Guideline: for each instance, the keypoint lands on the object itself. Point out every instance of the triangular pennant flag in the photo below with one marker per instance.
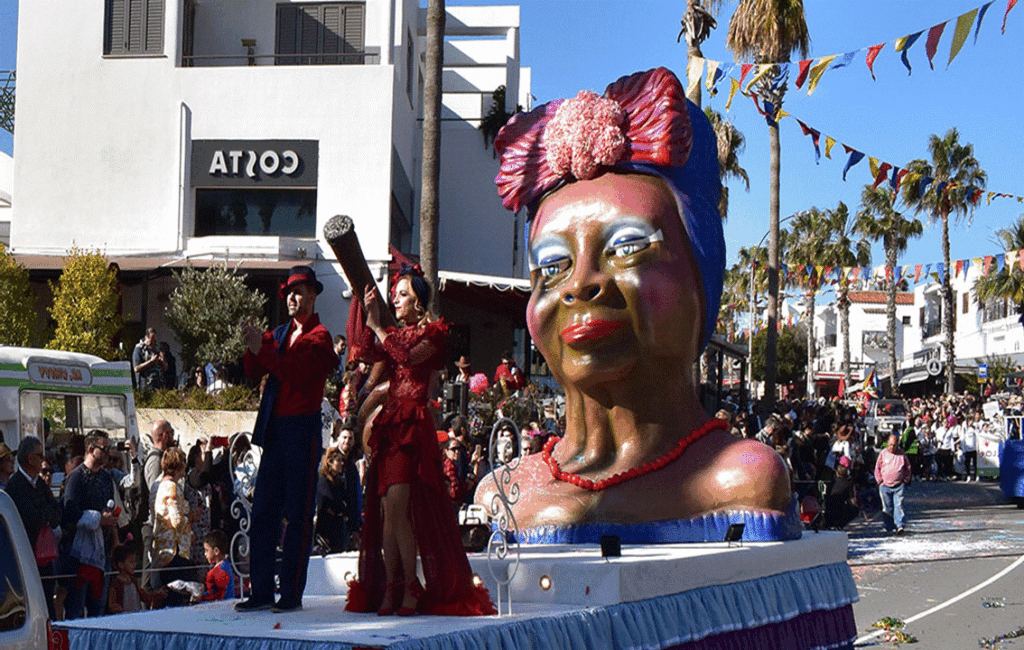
(932, 44)
(898, 275)
(940, 268)
(940, 188)
(780, 79)
(987, 265)
(1020, 259)
(855, 273)
(975, 195)
(927, 270)
(694, 71)
(712, 71)
(923, 186)
(1011, 260)
(873, 166)
(802, 69)
(981, 17)
(855, 157)
(883, 170)
(744, 69)
(757, 104)
(761, 71)
(815, 134)
(904, 44)
(1000, 262)
(899, 180)
(988, 198)
(977, 263)
(829, 143)
(733, 87)
(894, 180)
(960, 32)
(1009, 6)
(817, 70)
(846, 60)
(917, 273)
(959, 267)
(873, 54)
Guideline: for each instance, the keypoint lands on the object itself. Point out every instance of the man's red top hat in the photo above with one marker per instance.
(298, 275)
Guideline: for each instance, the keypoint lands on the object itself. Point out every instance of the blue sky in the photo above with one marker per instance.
(576, 44)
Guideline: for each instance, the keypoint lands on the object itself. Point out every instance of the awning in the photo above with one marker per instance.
(502, 296)
(130, 263)
(914, 376)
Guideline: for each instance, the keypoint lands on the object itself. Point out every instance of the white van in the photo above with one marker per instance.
(54, 395)
(24, 620)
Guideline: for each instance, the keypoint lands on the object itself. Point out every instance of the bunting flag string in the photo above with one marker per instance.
(879, 169)
(806, 275)
(811, 71)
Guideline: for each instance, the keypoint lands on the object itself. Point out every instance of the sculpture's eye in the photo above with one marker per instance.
(631, 240)
(550, 258)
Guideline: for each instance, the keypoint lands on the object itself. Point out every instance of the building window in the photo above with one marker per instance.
(244, 211)
(967, 304)
(906, 321)
(994, 309)
(133, 27)
(323, 33)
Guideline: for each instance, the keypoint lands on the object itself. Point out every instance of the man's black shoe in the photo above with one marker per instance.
(252, 605)
(286, 606)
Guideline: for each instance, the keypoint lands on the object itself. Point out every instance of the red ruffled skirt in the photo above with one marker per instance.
(405, 450)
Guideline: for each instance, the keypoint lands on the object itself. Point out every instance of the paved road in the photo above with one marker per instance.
(964, 548)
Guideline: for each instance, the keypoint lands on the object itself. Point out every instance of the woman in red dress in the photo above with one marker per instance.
(407, 505)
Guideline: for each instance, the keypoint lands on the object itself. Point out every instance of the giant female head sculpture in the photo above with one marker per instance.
(627, 257)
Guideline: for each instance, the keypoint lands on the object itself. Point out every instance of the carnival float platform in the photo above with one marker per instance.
(794, 594)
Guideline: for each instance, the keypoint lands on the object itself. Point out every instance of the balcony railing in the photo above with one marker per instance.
(931, 328)
(347, 58)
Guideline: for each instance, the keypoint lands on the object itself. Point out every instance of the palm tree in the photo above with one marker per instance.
(431, 172)
(697, 23)
(769, 31)
(957, 175)
(731, 144)
(1005, 284)
(842, 251)
(810, 236)
(877, 220)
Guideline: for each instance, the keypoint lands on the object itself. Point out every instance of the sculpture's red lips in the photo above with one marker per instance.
(590, 331)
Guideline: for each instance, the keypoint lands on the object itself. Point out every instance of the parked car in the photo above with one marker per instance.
(883, 417)
(24, 619)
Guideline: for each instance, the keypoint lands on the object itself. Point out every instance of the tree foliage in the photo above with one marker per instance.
(206, 310)
(791, 355)
(86, 305)
(17, 303)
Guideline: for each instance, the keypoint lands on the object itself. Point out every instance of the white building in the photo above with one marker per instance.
(166, 131)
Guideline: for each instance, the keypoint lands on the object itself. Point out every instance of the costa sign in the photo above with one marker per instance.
(248, 163)
(269, 162)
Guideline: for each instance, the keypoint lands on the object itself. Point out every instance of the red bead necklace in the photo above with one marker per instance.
(636, 472)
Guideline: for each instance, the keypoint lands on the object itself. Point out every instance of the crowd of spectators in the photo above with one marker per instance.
(95, 509)
(832, 454)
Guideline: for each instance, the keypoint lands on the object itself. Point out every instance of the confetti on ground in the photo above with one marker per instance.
(888, 623)
(996, 641)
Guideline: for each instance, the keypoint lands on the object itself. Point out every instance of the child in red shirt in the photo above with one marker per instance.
(220, 579)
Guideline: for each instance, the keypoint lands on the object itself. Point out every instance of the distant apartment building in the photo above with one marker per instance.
(982, 332)
(168, 132)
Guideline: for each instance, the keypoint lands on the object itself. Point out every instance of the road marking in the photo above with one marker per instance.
(916, 617)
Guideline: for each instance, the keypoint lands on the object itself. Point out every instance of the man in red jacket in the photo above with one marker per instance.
(298, 356)
(892, 473)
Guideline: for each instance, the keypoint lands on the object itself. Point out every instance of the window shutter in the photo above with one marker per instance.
(309, 31)
(154, 32)
(134, 19)
(287, 28)
(354, 15)
(115, 27)
(334, 16)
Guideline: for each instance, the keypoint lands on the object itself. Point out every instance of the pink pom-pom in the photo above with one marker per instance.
(585, 133)
(478, 383)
